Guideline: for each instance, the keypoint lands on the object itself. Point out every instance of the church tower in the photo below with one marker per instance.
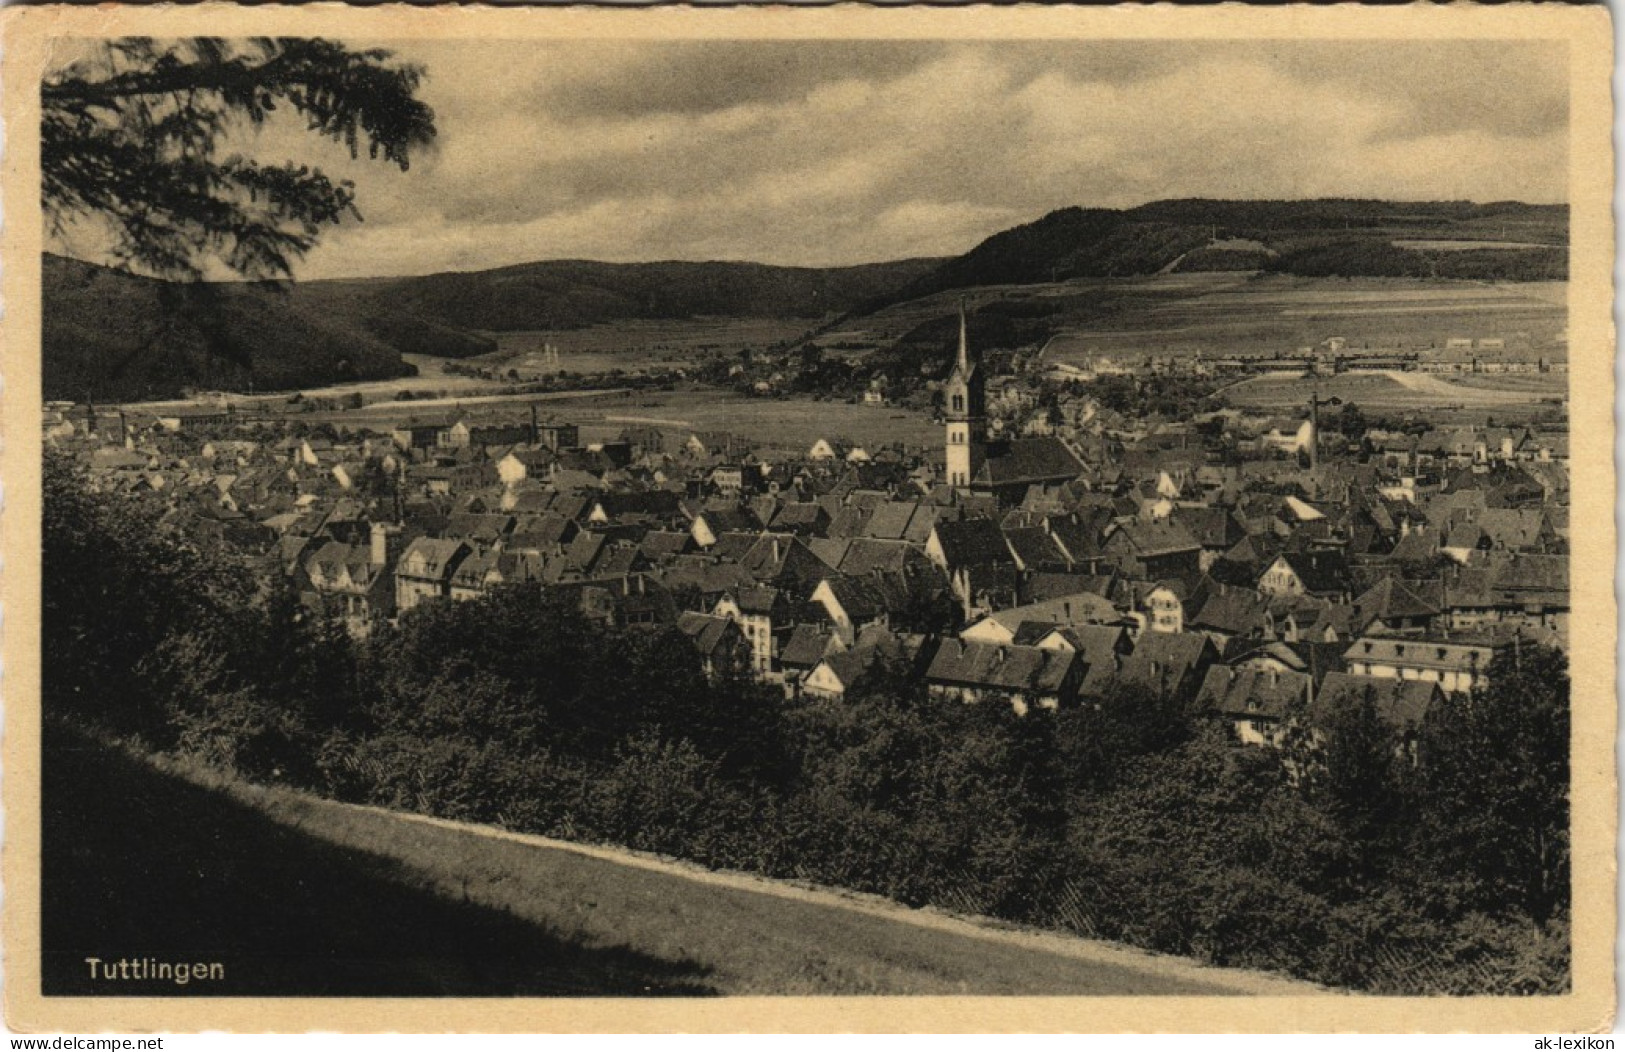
(965, 406)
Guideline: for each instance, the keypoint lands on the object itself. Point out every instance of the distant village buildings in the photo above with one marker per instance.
(1253, 566)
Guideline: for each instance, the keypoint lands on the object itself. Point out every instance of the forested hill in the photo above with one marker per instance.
(568, 294)
(110, 334)
(116, 335)
(1505, 240)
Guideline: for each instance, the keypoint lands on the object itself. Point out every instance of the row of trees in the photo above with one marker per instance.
(1380, 257)
(1350, 857)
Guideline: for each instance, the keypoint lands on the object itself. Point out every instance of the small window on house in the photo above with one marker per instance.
(959, 403)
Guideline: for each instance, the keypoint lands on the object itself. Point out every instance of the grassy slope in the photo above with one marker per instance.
(302, 896)
(139, 864)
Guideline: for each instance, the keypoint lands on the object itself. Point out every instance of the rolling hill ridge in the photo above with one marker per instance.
(115, 335)
(1349, 238)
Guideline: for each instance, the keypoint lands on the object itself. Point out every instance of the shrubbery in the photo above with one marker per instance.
(1135, 820)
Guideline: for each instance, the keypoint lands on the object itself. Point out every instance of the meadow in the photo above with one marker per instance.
(789, 424)
(1397, 390)
(634, 344)
(1236, 314)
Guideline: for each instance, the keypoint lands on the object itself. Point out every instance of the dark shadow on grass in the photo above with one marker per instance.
(139, 864)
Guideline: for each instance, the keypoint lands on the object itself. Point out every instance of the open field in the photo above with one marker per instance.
(298, 895)
(1228, 313)
(1466, 246)
(1274, 313)
(793, 423)
(637, 344)
(1544, 385)
(1130, 297)
(1392, 390)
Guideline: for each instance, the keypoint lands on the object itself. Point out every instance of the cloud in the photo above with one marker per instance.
(616, 80)
(822, 153)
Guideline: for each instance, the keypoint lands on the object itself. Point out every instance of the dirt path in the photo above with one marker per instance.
(752, 935)
(1424, 383)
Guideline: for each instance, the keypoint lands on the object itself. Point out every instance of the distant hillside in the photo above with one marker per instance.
(1315, 238)
(570, 294)
(118, 336)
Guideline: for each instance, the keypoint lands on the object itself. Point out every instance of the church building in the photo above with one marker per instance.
(965, 404)
(1005, 468)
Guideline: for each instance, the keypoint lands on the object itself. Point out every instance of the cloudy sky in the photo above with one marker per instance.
(823, 153)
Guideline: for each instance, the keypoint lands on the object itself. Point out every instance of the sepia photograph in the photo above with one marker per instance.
(802, 505)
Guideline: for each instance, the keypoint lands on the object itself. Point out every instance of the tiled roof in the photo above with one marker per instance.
(1026, 460)
(1420, 653)
(1162, 658)
(1235, 611)
(1400, 702)
(1146, 539)
(1103, 648)
(1007, 668)
(1079, 533)
(430, 558)
(1042, 586)
(655, 503)
(973, 542)
(1215, 528)
(864, 556)
(1036, 549)
(477, 571)
(1252, 692)
(807, 646)
(662, 544)
(1389, 599)
(889, 521)
(1323, 571)
(707, 633)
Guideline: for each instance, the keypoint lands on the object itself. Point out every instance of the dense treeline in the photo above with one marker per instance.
(114, 335)
(1374, 257)
(571, 294)
(1340, 858)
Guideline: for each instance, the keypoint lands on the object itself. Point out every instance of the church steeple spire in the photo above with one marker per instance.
(964, 406)
(964, 340)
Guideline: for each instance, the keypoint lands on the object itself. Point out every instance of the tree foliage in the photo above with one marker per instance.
(1495, 785)
(135, 140)
(1349, 857)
